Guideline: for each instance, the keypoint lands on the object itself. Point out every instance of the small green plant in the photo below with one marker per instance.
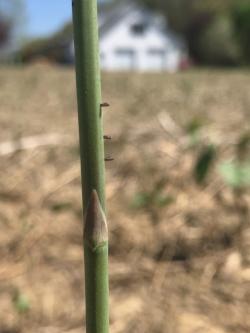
(194, 131)
(152, 200)
(243, 146)
(143, 200)
(92, 165)
(204, 163)
(236, 174)
(58, 207)
(21, 302)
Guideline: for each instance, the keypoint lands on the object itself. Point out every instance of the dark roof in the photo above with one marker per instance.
(112, 12)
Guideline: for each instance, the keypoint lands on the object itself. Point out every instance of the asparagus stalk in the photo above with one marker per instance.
(96, 267)
(92, 164)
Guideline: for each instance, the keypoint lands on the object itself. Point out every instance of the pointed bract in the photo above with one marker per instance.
(95, 228)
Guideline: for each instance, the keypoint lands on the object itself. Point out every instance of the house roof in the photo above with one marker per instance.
(111, 13)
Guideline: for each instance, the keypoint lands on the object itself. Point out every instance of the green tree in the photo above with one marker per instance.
(203, 24)
(241, 22)
(12, 24)
(186, 17)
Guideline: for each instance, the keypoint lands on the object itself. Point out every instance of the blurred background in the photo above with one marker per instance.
(176, 75)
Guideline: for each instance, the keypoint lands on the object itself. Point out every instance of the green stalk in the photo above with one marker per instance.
(92, 165)
(96, 268)
(89, 97)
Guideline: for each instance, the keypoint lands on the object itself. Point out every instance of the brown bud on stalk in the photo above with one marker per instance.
(95, 229)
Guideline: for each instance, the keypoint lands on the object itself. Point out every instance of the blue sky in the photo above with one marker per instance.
(46, 16)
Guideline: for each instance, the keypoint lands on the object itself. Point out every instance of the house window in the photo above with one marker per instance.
(124, 59)
(156, 59)
(138, 28)
(156, 52)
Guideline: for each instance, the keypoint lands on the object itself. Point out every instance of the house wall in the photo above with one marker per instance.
(154, 50)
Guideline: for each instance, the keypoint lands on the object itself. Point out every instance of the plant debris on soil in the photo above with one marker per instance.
(179, 248)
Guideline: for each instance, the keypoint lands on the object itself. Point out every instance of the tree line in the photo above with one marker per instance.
(216, 32)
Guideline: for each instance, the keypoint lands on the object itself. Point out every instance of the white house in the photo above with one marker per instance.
(133, 38)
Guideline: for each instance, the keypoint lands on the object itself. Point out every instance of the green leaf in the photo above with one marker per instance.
(163, 200)
(141, 200)
(61, 206)
(145, 199)
(193, 129)
(194, 126)
(235, 174)
(21, 303)
(204, 163)
(243, 145)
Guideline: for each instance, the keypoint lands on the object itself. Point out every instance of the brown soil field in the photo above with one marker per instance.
(179, 250)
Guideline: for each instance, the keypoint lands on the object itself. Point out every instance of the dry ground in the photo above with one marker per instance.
(179, 252)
